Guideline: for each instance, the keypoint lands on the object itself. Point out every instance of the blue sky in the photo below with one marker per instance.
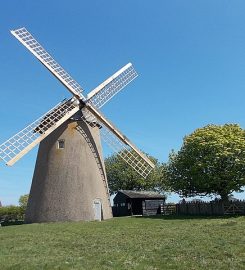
(189, 55)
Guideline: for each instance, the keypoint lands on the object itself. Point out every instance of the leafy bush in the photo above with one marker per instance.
(11, 212)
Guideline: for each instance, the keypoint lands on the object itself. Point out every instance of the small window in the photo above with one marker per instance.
(122, 204)
(61, 144)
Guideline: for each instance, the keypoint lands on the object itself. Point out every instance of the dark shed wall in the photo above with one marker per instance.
(121, 207)
(120, 198)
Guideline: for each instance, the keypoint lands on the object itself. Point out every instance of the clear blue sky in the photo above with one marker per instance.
(190, 56)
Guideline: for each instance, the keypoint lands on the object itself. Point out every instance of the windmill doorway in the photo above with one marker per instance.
(97, 210)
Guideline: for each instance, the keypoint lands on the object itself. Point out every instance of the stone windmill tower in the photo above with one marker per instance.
(69, 181)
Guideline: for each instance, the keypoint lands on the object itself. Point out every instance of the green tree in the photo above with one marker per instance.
(23, 201)
(122, 176)
(210, 162)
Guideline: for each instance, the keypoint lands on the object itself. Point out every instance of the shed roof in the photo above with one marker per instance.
(142, 194)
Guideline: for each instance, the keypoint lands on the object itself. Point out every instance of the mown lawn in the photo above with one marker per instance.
(126, 243)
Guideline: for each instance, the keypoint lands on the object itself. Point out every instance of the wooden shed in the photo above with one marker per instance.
(129, 202)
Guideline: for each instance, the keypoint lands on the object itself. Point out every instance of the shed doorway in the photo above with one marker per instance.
(137, 207)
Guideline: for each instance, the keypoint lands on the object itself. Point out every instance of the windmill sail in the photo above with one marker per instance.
(121, 144)
(109, 88)
(96, 99)
(22, 142)
(140, 164)
(46, 59)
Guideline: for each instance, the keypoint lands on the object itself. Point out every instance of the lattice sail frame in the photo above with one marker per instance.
(22, 142)
(47, 60)
(127, 153)
(123, 147)
(109, 88)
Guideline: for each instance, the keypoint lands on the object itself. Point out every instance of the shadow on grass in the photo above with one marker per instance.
(11, 222)
(183, 217)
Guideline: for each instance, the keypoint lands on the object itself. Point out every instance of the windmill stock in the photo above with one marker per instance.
(69, 181)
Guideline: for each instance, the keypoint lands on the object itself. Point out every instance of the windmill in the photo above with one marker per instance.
(69, 181)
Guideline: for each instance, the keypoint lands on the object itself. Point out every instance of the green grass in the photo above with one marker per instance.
(126, 243)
